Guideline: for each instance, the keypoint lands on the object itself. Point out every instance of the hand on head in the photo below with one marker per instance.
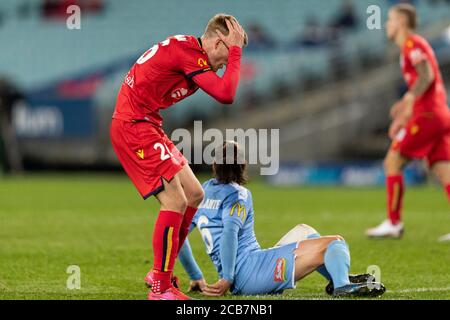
(236, 34)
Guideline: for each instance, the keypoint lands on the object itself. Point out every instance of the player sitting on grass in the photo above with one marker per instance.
(226, 221)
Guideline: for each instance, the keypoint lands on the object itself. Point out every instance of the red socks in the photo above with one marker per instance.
(165, 248)
(447, 190)
(184, 229)
(395, 188)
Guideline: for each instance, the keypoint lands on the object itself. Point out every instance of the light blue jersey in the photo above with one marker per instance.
(225, 219)
(226, 203)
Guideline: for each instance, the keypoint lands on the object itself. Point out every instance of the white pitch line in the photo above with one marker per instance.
(418, 290)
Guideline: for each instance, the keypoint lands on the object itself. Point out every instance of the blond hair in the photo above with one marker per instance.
(218, 22)
(408, 11)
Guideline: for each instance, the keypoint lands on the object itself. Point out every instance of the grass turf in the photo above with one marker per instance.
(98, 222)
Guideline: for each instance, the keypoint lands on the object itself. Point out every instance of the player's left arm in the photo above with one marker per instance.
(402, 111)
(228, 253)
(424, 80)
(425, 77)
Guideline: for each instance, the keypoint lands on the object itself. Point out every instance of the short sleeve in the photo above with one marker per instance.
(416, 52)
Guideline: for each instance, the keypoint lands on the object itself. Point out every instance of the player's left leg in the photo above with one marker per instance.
(439, 161)
(194, 194)
(441, 170)
(393, 164)
(302, 232)
(332, 251)
(299, 233)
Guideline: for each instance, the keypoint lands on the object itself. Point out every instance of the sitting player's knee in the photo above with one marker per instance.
(333, 239)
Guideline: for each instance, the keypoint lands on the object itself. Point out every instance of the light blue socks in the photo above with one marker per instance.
(337, 262)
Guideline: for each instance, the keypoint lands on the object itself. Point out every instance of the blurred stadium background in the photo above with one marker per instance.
(313, 69)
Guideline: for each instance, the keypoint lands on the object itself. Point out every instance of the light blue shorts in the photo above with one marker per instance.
(268, 271)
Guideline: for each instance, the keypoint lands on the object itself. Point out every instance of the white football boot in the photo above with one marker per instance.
(386, 230)
(445, 238)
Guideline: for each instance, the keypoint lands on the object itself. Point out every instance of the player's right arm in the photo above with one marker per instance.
(190, 265)
(234, 214)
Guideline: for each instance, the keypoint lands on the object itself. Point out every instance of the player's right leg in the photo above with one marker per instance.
(142, 150)
(166, 240)
(194, 195)
(392, 226)
(333, 253)
(441, 170)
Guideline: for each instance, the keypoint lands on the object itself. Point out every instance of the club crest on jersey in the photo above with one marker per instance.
(414, 129)
(202, 62)
(140, 154)
(410, 44)
(280, 270)
(179, 93)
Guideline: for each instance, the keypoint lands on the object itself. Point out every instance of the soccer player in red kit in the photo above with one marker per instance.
(167, 73)
(421, 119)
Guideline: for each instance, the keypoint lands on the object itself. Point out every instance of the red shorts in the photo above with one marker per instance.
(426, 135)
(146, 154)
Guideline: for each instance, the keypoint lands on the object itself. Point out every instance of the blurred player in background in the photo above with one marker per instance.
(226, 221)
(167, 73)
(10, 156)
(420, 128)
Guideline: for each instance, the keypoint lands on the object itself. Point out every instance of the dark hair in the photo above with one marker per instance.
(232, 170)
(409, 11)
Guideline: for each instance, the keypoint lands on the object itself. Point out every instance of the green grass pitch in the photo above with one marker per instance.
(98, 222)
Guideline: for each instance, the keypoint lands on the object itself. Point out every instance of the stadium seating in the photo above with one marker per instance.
(123, 31)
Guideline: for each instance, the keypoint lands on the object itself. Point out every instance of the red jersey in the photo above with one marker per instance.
(415, 50)
(161, 77)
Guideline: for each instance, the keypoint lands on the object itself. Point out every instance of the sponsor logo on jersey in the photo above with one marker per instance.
(416, 56)
(179, 93)
(140, 154)
(280, 270)
(129, 80)
(240, 210)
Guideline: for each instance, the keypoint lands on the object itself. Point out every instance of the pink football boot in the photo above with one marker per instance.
(170, 294)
